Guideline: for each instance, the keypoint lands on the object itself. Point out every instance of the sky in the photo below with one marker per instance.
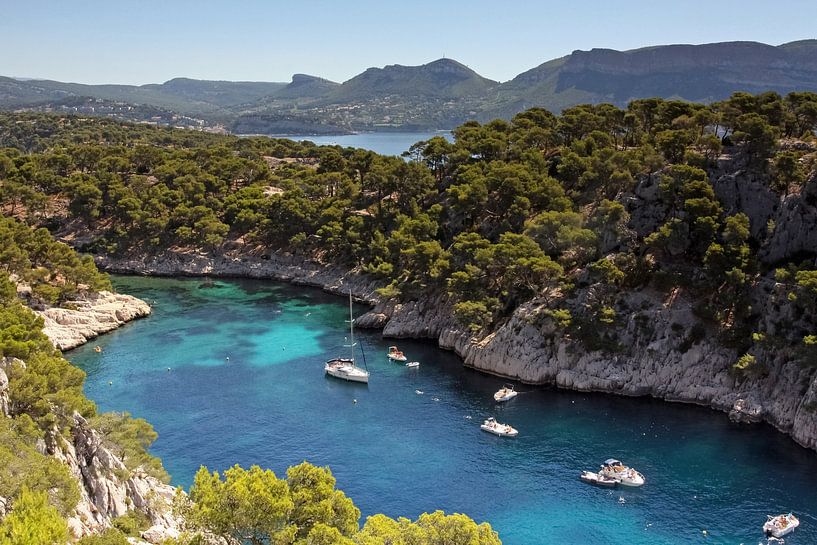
(151, 41)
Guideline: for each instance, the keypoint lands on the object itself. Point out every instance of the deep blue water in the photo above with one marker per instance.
(401, 453)
(384, 143)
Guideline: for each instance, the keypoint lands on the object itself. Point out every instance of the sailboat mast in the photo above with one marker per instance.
(351, 328)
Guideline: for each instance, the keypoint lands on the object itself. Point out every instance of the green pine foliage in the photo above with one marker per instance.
(256, 507)
(33, 522)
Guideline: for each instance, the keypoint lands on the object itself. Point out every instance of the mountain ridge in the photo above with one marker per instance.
(444, 93)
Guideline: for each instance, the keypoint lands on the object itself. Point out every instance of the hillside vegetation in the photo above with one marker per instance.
(510, 211)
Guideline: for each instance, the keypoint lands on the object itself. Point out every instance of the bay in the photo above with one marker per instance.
(384, 143)
(231, 372)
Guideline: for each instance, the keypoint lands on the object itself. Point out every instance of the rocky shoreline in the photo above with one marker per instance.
(531, 350)
(85, 318)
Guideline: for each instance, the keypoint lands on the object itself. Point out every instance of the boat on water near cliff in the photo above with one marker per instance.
(345, 368)
(624, 475)
(781, 525)
(505, 393)
(395, 354)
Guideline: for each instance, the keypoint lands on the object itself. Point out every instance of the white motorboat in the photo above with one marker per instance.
(503, 430)
(413, 364)
(395, 354)
(626, 476)
(597, 479)
(345, 368)
(505, 393)
(781, 525)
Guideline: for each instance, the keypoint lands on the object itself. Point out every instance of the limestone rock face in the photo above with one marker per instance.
(4, 394)
(89, 317)
(528, 349)
(107, 488)
(6, 363)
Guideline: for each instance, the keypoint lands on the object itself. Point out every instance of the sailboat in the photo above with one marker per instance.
(345, 368)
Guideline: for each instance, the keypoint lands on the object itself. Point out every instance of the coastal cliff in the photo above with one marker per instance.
(79, 321)
(530, 348)
(107, 489)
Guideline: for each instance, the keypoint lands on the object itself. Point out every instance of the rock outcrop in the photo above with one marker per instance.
(107, 488)
(83, 319)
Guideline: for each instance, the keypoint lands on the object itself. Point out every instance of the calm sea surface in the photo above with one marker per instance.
(384, 143)
(402, 453)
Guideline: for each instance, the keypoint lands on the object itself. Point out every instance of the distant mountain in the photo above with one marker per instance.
(443, 78)
(304, 86)
(699, 73)
(182, 95)
(219, 93)
(444, 93)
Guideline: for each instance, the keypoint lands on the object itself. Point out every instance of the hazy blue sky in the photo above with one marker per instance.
(94, 41)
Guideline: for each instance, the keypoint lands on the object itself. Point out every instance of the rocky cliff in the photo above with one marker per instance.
(76, 322)
(109, 490)
(656, 362)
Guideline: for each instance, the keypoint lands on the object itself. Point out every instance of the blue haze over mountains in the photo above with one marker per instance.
(437, 95)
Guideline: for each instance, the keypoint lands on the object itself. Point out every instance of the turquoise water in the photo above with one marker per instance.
(401, 453)
(384, 143)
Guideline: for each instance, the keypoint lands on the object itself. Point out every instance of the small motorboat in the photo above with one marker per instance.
(597, 479)
(505, 393)
(626, 476)
(395, 354)
(781, 525)
(413, 364)
(97, 349)
(502, 430)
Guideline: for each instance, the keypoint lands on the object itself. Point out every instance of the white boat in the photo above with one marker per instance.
(781, 525)
(505, 393)
(413, 364)
(345, 368)
(503, 430)
(597, 479)
(395, 354)
(626, 476)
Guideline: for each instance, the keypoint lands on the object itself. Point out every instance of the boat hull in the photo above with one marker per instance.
(597, 480)
(347, 376)
(503, 398)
